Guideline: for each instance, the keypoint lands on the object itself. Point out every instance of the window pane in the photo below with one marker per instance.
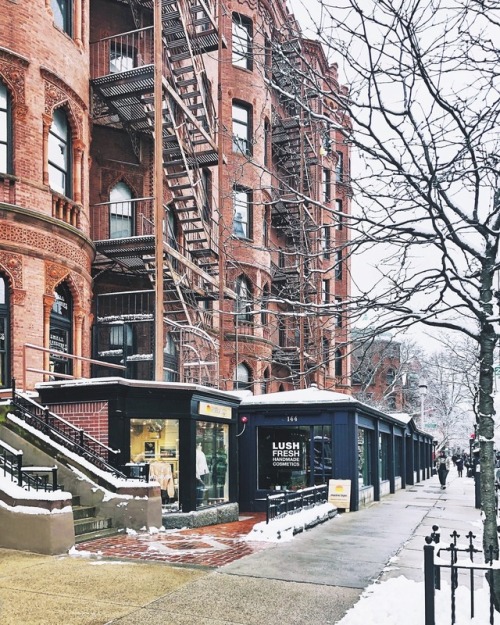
(57, 180)
(3, 97)
(241, 211)
(212, 477)
(120, 212)
(62, 14)
(242, 39)
(59, 153)
(241, 129)
(3, 126)
(3, 158)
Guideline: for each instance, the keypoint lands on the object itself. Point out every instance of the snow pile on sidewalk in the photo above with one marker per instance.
(400, 601)
(284, 528)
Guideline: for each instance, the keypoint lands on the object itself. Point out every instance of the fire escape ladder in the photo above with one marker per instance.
(174, 293)
(189, 131)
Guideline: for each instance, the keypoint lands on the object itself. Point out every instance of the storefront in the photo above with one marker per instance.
(307, 437)
(185, 433)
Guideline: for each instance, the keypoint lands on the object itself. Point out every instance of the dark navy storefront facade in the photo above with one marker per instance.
(300, 438)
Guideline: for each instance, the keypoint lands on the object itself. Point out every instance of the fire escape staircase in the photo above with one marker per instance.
(126, 98)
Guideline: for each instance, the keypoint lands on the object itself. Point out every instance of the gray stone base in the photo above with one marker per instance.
(226, 513)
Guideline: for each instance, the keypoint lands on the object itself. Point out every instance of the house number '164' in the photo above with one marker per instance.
(291, 419)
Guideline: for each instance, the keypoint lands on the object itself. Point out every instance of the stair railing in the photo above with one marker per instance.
(63, 432)
(36, 478)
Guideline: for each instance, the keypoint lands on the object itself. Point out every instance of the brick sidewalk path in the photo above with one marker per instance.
(211, 546)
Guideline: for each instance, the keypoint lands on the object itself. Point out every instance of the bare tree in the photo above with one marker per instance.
(449, 405)
(424, 103)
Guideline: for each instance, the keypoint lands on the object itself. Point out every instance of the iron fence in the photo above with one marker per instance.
(283, 503)
(459, 561)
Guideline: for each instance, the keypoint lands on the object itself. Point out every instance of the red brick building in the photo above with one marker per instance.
(214, 255)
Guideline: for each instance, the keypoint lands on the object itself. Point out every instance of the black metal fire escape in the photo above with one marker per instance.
(123, 81)
(294, 154)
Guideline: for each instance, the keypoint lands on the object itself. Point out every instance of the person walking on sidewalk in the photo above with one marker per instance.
(443, 468)
(460, 466)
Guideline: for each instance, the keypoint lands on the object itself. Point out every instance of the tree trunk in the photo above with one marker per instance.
(486, 425)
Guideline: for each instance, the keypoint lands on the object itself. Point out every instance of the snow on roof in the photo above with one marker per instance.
(135, 383)
(401, 416)
(311, 395)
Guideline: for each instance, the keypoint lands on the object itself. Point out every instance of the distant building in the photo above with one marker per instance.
(380, 378)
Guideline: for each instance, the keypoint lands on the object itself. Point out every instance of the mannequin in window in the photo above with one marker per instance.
(219, 470)
(162, 473)
(201, 472)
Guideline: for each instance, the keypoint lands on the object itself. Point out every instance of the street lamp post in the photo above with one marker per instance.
(423, 392)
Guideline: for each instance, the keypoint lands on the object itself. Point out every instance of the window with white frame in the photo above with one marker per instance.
(242, 211)
(120, 212)
(60, 153)
(242, 41)
(242, 128)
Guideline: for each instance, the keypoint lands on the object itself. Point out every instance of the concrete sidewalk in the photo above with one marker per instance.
(312, 579)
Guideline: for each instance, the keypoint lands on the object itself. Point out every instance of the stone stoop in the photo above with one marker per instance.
(88, 526)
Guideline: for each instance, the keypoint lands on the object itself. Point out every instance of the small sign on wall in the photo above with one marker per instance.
(339, 493)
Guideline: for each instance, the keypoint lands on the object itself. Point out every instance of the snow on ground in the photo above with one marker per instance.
(400, 601)
(284, 529)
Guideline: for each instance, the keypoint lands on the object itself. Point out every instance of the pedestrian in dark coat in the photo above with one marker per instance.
(443, 464)
(460, 466)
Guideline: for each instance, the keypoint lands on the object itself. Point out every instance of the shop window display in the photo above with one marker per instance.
(211, 464)
(364, 457)
(156, 442)
(285, 455)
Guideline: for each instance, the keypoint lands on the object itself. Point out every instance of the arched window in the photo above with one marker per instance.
(61, 330)
(243, 378)
(390, 376)
(120, 212)
(266, 381)
(4, 334)
(243, 299)
(5, 131)
(60, 154)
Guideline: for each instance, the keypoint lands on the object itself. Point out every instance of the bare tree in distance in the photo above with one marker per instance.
(449, 403)
(424, 103)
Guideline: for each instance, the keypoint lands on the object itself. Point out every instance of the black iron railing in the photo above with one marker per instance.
(285, 502)
(66, 434)
(36, 478)
(456, 559)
